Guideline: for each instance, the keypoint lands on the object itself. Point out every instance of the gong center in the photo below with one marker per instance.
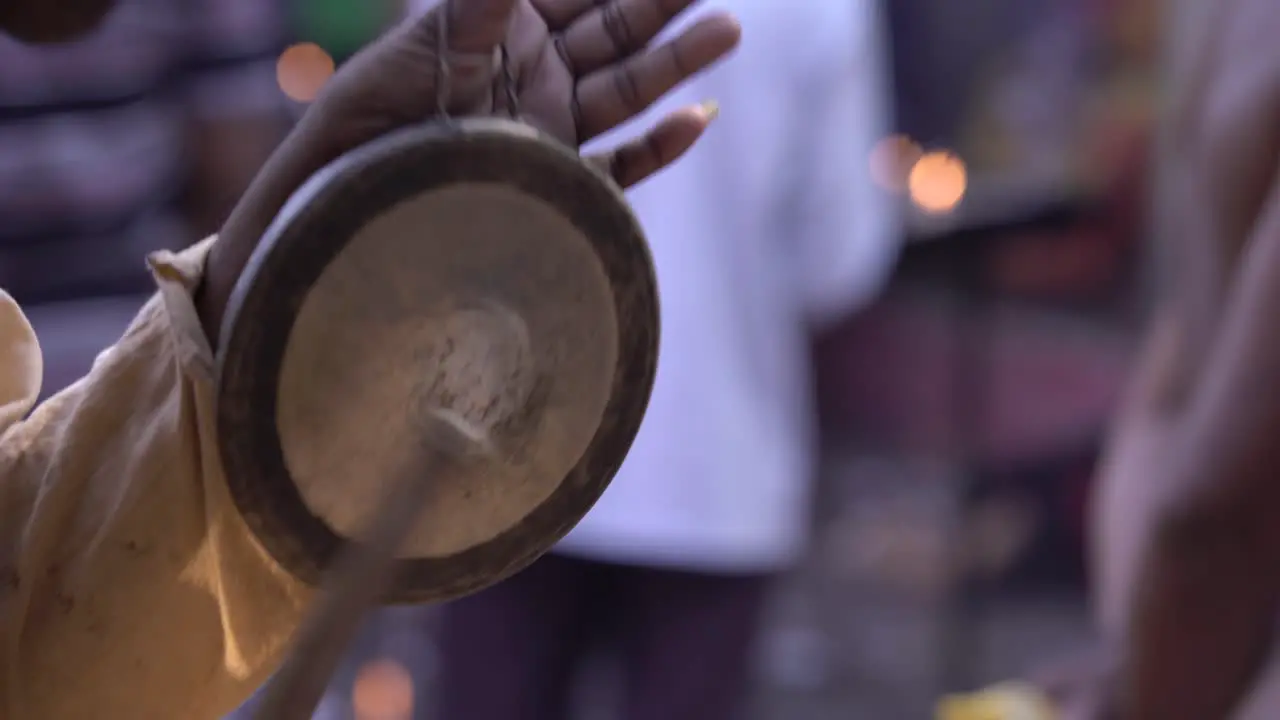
(477, 301)
(480, 368)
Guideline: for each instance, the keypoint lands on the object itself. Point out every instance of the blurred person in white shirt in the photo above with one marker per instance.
(767, 231)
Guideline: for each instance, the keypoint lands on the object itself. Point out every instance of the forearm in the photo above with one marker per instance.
(1202, 627)
(237, 118)
(1209, 580)
(135, 588)
(285, 171)
(227, 152)
(1125, 500)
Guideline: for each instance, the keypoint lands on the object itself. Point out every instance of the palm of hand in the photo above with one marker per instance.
(577, 68)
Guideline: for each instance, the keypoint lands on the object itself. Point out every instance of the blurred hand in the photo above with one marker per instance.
(1132, 485)
(579, 67)
(1130, 490)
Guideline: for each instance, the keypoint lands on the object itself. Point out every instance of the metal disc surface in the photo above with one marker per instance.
(476, 271)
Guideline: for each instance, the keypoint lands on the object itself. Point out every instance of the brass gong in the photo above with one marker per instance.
(474, 270)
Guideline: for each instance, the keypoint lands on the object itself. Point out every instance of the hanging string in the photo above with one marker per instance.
(444, 73)
(509, 84)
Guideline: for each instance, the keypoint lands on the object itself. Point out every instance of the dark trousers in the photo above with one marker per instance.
(685, 641)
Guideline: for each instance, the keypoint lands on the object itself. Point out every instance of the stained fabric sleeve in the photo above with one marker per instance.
(129, 585)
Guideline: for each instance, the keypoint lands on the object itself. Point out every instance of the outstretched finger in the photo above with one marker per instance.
(560, 14)
(659, 147)
(613, 95)
(615, 31)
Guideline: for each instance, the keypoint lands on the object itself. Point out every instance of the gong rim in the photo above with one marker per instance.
(326, 214)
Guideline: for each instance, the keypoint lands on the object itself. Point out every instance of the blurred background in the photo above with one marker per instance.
(961, 411)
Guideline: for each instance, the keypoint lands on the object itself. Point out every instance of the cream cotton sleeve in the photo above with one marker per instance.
(130, 588)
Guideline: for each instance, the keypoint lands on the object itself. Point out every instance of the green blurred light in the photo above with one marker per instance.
(342, 26)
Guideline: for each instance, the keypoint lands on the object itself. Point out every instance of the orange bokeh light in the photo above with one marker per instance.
(302, 71)
(383, 691)
(938, 182)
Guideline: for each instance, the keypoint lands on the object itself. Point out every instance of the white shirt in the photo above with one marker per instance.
(771, 225)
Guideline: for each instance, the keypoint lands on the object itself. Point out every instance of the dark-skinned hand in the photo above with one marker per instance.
(580, 68)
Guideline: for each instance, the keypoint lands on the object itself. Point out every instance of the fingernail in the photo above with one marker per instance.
(710, 109)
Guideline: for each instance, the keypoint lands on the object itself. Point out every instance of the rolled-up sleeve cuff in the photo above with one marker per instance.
(178, 275)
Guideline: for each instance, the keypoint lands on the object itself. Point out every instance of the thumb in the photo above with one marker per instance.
(471, 26)
(462, 35)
